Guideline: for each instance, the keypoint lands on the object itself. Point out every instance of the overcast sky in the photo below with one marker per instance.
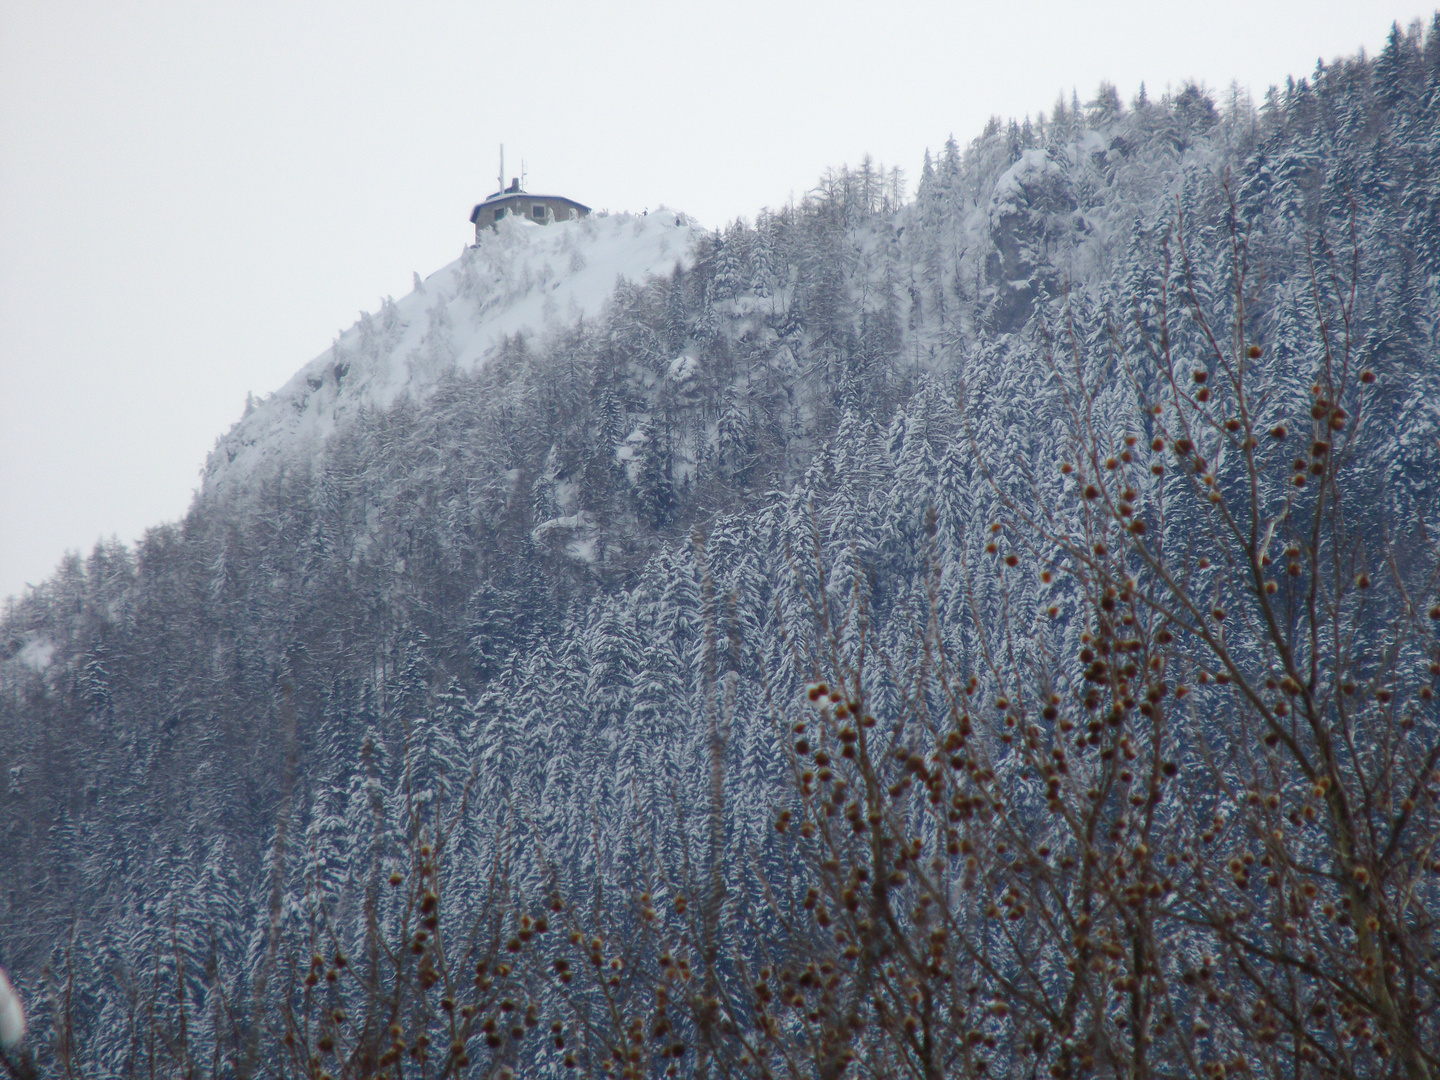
(196, 197)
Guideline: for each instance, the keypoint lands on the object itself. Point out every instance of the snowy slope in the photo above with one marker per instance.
(524, 278)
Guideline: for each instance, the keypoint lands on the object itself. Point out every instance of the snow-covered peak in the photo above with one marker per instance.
(521, 278)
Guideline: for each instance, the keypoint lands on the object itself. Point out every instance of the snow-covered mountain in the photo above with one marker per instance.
(521, 278)
(437, 547)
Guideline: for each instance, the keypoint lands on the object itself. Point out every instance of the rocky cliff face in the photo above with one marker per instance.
(1035, 224)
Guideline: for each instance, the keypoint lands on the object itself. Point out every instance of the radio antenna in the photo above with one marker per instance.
(501, 188)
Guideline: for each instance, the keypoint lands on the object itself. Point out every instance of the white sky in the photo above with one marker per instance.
(195, 197)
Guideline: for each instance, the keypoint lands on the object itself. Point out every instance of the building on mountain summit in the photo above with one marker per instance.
(541, 209)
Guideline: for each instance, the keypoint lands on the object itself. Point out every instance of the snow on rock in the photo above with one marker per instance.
(523, 278)
(575, 534)
(682, 368)
(37, 653)
(1033, 172)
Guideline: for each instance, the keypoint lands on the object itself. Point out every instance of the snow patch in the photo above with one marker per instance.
(581, 520)
(576, 534)
(12, 1015)
(682, 368)
(37, 654)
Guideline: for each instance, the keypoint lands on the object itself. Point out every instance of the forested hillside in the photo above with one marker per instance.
(573, 571)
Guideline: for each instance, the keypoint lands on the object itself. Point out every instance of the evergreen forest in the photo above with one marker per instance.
(983, 631)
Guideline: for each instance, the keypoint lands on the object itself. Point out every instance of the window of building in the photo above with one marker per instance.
(538, 213)
(499, 212)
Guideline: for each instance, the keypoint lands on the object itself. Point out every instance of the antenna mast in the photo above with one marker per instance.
(522, 174)
(501, 188)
